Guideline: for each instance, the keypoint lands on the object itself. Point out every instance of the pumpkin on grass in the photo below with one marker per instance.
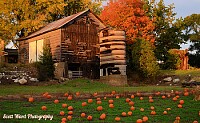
(62, 113)
(83, 114)
(145, 119)
(89, 117)
(30, 99)
(44, 108)
(117, 118)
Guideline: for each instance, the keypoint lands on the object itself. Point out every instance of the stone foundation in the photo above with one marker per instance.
(115, 80)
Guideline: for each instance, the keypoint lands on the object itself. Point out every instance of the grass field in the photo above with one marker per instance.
(81, 85)
(187, 114)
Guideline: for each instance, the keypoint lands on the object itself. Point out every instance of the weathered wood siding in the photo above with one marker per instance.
(80, 41)
(53, 39)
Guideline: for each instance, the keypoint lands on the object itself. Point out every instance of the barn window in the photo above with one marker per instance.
(35, 50)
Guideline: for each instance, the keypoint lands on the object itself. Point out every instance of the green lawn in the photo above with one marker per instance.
(188, 113)
(81, 85)
(193, 73)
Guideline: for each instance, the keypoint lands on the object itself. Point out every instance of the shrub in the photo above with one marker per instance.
(144, 59)
(46, 65)
(173, 60)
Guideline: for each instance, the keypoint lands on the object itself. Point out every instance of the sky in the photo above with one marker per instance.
(183, 8)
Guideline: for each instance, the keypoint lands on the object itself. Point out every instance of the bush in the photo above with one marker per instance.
(173, 60)
(144, 59)
(46, 65)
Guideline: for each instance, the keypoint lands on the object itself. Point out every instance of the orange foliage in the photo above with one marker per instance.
(129, 15)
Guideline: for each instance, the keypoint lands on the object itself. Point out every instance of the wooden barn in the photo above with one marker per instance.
(74, 43)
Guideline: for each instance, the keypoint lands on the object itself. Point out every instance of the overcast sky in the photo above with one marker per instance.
(183, 8)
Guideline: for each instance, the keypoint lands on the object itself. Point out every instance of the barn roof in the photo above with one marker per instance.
(66, 20)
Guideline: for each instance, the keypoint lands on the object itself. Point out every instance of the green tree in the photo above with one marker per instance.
(168, 34)
(144, 60)
(173, 60)
(191, 28)
(46, 66)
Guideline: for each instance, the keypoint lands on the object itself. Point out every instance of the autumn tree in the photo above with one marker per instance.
(131, 16)
(20, 17)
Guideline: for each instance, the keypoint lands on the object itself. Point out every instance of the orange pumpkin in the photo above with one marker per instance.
(150, 100)
(117, 118)
(69, 117)
(177, 96)
(177, 92)
(152, 107)
(180, 106)
(130, 113)
(168, 109)
(186, 93)
(99, 102)
(124, 114)
(69, 97)
(131, 103)
(111, 106)
(62, 113)
(117, 97)
(70, 112)
(145, 119)
(105, 98)
(99, 108)
(132, 96)
(164, 112)
(84, 104)
(48, 96)
(141, 98)
(153, 112)
(56, 101)
(195, 121)
(30, 99)
(89, 117)
(83, 114)
(181, 102)
(64, 105)
(90, 100)
(44, 108)
(70, 108)
(150, 97)
(163, 97)
(141, 109)
(98, 99)
(113, 92)
(66, 95)
(139, 121)
(174, 99)
(45, 94)
(77, 93)
(64, 119)
(110, 101)
(178, 118)
(128, 100)
(102, 116)
(132, 108)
